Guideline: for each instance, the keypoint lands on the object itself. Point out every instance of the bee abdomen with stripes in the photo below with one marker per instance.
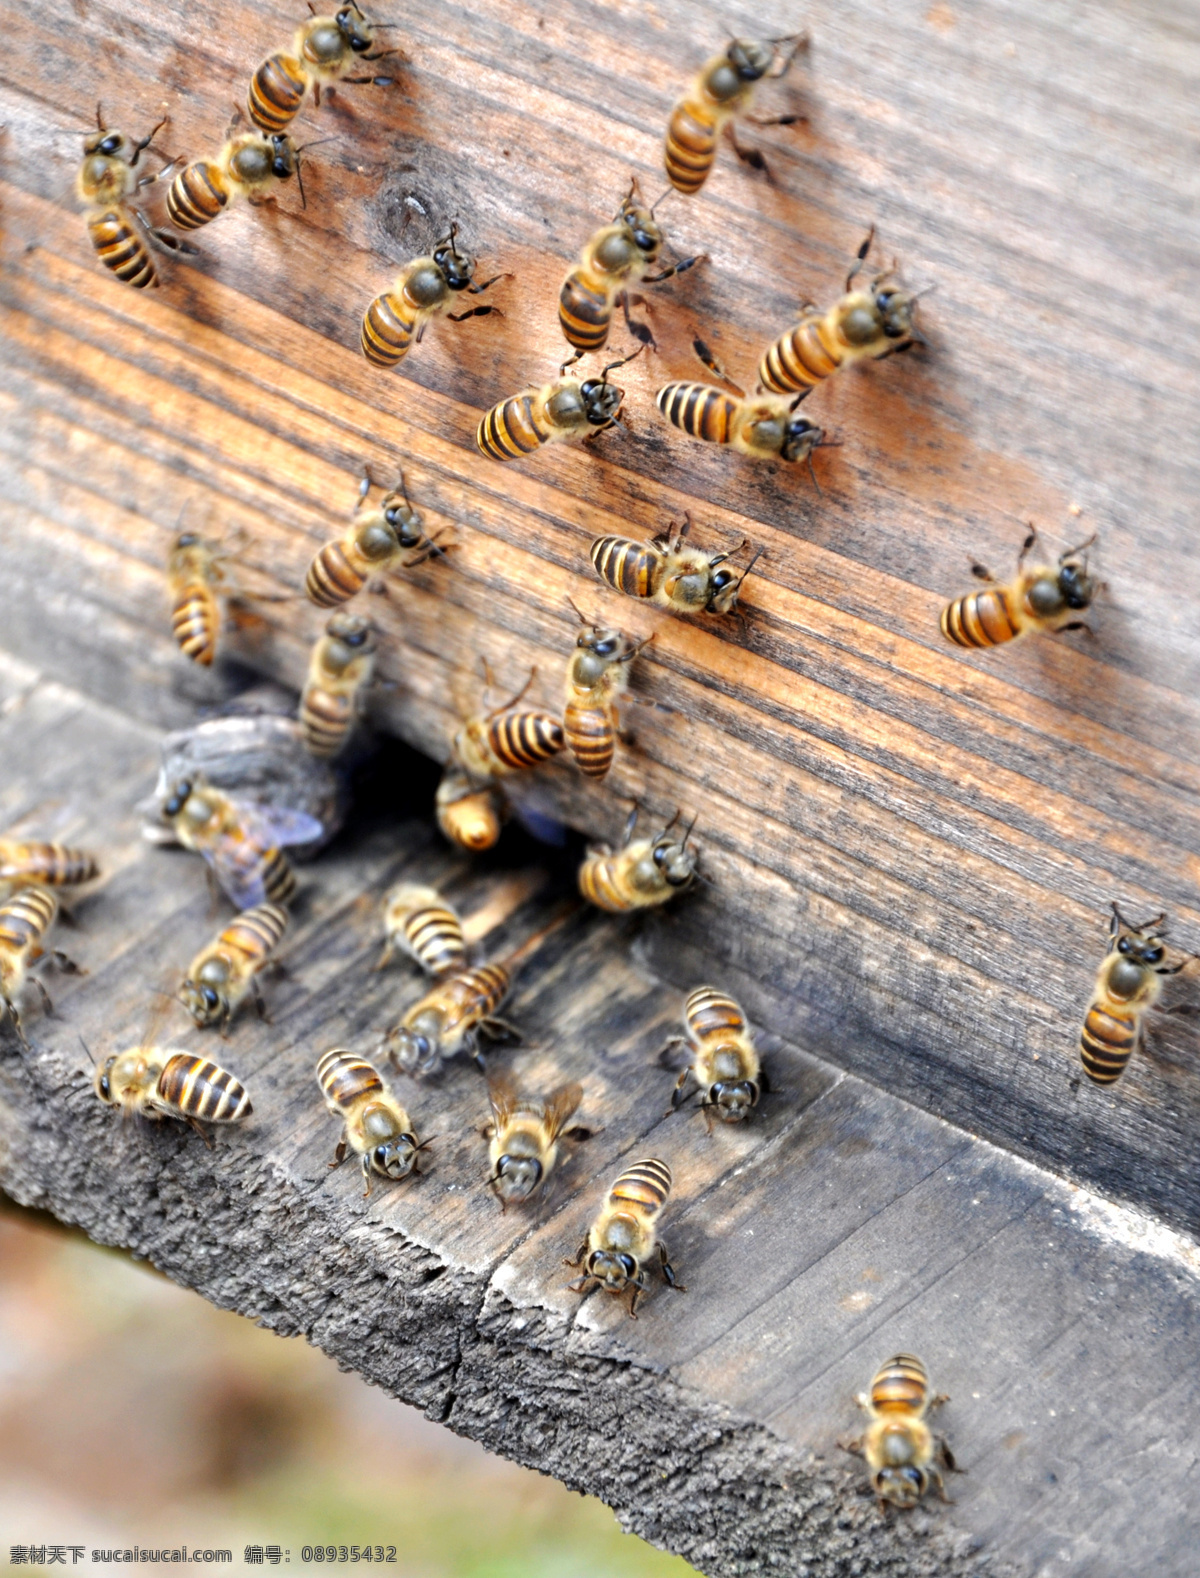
(194, 1087)
(276, 92)
(1107, 1042)
(56, 865)
(418, 920)
(981, 619)
(119, 247)
(646, 1184)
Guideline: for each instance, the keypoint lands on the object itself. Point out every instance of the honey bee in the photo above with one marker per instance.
(450, 1018)
(418, 921)
(665, 571)
(616, 257)
(241, 843)
(324, 49)
(193, 575)
(222, 976)
(863, 325)
(506, 740)
(763, 426)
(597, 673)
(377, 1128)
(25, 918)
(617, 1250)
(1127, 988)
(902, 1452)
(468, 815)
(249, 165)
(338, 674)
(724, 1062)
(1041, 598)
(374, 542)
(104, 184)
(642, 873)
(50, 865)
(163, 1082)
(564, 408)
(524, 1135)
(722, 90)
(423, 290)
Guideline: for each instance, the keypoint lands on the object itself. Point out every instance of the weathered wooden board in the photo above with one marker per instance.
(915, 848)
(839, 1225)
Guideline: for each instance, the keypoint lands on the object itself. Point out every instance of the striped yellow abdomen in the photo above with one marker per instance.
(256, 932)
(194, 1087)
(121, 249)
(325, 719)
(509, 429)
(584, 314)
(195, 620)
(345, 1078)
(589, 733)
(598, 885)
(646, 1184)
(699, 409)
(1106, 1043)
(197, 195)
(276, 93)
(389, 327)
(900, 1386)
(710, 1015)
(332, 578)
(691, 146)
(634, 568)
(523, 739)
(435, 935)
(55, 864)
(801, 358)
(981, 619)
(26, 917)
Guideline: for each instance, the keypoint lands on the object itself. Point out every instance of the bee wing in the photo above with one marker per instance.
(560, 1107)
(238, 868)
(271, 825)
(503, 1095)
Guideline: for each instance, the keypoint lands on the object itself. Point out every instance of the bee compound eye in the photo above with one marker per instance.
(105, 1087)
(1153, 955)
(1125, 945)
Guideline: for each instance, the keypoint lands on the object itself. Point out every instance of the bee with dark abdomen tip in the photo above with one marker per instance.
(562, 409)
(242, 843)
(224, 974)
(377, 1128)
(508, 739)
(25, 918)
(323, 51)
(161, 1082)
(670, 573)
(597, 673)
(339, 673)
(642, 873)
(724, 1062)
(1043, 597)
(468, 815)
(1128, 986)
(419, 922)
(524, 1136)
(422, 291)
(48, 865)
(104, 184)
(249, 165)
(616, 1253)
(722, 90)
(616, 257)
(374, 542)
(904, 1456)
(193, 575)
(864, 325)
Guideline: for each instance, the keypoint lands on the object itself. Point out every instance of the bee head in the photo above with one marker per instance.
(733, 1099)
(102, 1081)
(601, 400)
(613, 1271)
(902, 1487)
(177, 798)
(458, 267)
(675, 861)
(800, 438)
(516, 1177)
(750, 59)
(355, 29)
(395, 1158)
(206, 1003)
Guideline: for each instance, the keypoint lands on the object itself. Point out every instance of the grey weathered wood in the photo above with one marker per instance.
(839, 1225)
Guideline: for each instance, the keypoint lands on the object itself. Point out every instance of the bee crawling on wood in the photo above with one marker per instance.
(1128, 985)
(904, 1456)
(376, 541)
(617, 1251)
(224, 974)
(419, 922)
(376, 1126)
(106, 181)
(425, 289)
(616, 257)
(643, 872)
(565, 408)
(524, 1133)
(670, 573)
(721, 91)
(507, 739)
(468, 815)
(242, 843)
(250, 165)
(864, 325)
(323, 51)
(49, 865)
(339, 675)
(25, 919)
(1043, 598)
(725, 1063)
(597, 674)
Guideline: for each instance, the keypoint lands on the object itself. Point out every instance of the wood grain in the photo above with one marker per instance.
(838, 1225)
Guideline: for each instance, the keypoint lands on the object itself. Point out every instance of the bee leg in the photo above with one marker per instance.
(258, 1001)
(578, 1260)
(935, 1475)
(668, 1270)
(1079, 624)
(639, 1287)
(207, 1138)
(750, 156)
(706, 1108)
(500, 1030)
(937, 1401)
(855, 1447)
(677, 1098)
(981, 572)
(473, 312)
(580, 1133)
(339, 1155)
(47, 1005)
(639, 331)
(478, 290)
(8, 1009)
(662, 1059)
(316, 95)
(366, 1172)
(946, 1457)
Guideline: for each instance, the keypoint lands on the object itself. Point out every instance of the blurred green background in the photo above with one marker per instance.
(132, 1413)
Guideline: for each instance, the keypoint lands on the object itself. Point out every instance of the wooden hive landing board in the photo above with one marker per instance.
(841, 1224)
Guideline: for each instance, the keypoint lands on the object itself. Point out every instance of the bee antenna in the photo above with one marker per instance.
(100, 126)
(88, 1050)
(583, 620)
(758, 553)
(690, 826)
(661, 199)
(812, 471)
(612, 366)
